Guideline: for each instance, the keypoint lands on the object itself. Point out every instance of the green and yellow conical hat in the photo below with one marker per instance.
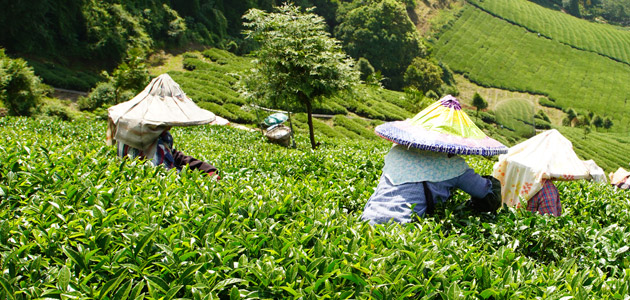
(442, 127)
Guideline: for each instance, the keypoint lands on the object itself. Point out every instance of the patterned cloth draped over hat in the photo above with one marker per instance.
(548, 155)
(441, 127)
(620, 179)
(162, 104)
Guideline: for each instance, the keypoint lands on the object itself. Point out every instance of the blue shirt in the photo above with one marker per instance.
(398, 202)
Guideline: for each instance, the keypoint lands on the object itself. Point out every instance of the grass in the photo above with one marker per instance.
(492, 52)
(78, 222)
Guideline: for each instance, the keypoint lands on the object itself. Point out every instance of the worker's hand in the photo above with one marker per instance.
(214, 175)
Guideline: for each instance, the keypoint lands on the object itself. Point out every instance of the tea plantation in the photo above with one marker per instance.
(498, 52)
(77, 222)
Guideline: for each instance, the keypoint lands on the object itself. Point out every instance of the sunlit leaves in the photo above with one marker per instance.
(78, 222)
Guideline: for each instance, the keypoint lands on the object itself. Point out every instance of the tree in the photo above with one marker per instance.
(20, 89)
(597, 121)
(608, 123)
(479, 102)
(571, 115)
(381, 31)
(297, 62)
(132, 74)
(423, 75)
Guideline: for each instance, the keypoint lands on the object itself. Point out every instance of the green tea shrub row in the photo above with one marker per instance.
(600, 38)
(549, 103)
(517, 59)
(62, 77)
(356, 127)
(80, 222)
(608, 150)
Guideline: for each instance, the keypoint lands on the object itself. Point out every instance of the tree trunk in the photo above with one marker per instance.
(311, 133)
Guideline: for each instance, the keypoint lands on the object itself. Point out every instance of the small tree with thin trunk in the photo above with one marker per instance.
(479, 103)
(297, 62)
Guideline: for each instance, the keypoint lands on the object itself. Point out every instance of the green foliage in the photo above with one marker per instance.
(20, 88)
(607, 40)
(479, 102)
(542, 116)
(60, 76)
(548, 103)
(608, 123)
(357, 126)
(424, 75)
(77, 220)
(516, 115)
(608, 150)
(298, 62)
(132, 74)
(515, 59)
(381, 32)
(597, 121)
(128, 79)
(92, 35)
(365, 68)
(488, 117)
(104, 93)
(111, 30)
(55, 109)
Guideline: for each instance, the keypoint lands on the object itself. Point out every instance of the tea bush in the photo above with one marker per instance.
(493, 52)
(76, 221)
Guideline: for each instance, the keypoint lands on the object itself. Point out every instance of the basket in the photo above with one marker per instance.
(279, 134)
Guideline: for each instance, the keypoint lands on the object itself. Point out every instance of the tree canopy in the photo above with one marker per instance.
(381, 31)
(424, 75)
(298, 61)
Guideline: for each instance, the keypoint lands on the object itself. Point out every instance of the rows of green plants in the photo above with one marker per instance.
(80, 223)
(610, 151)
(212, 75)
(493, 52)
(604, 39)
(516, 115)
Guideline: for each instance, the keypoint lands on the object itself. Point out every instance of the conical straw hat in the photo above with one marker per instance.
(162, 104)
(442, 127)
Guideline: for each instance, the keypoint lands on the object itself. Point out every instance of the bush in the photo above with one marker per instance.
(103, 93)
(549, 103)
(56, 110)
(542, 124)
(20, 89)
(488, 117)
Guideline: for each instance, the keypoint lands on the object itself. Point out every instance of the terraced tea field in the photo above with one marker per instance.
(604, 39)
(493, 52)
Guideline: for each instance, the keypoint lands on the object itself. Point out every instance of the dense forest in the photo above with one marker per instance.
(68, 43)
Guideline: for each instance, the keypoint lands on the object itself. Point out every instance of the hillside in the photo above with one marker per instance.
(539, 53)
(494, 52)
